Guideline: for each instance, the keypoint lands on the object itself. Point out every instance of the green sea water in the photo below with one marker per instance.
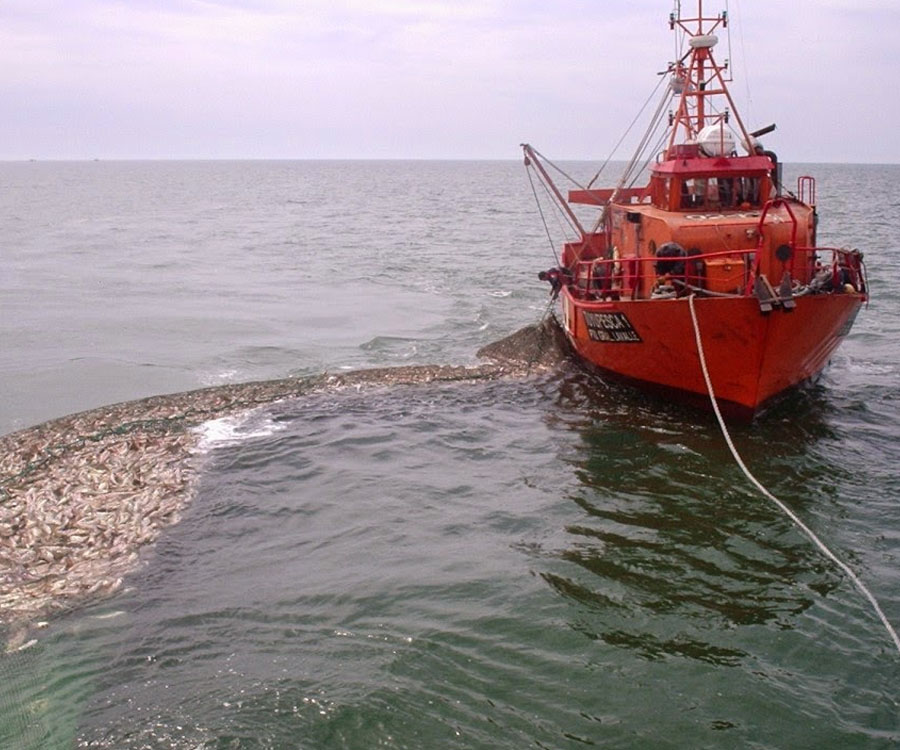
(552, 561)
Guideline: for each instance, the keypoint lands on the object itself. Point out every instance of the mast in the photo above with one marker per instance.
(697, 77)
(701, 99)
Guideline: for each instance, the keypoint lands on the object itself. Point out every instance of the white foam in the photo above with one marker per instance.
(237, 428)
(218, 378)
(109, 615)
(869, 368)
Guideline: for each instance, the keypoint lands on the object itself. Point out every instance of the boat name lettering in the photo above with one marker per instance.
(611, 327)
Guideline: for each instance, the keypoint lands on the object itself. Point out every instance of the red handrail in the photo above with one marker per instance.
(806, 189)
(621, 276)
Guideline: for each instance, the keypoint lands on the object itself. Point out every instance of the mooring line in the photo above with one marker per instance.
(784, 508)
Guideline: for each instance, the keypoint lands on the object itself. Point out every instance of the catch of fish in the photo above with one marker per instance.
(81, 495)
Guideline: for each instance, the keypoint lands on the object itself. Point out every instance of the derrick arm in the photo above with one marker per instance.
(532, 159)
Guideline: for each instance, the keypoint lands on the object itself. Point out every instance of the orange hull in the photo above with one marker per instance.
(751, 357)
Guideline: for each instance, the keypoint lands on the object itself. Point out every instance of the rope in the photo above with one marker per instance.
(790, 514)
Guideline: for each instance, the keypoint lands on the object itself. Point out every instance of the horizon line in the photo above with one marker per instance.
(71, 160)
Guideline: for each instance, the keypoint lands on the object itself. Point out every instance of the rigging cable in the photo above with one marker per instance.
(559, 169)
(559, 214)
(642, 146)
(541, 212)
(655, 150)
(628, 130)
(746, 68)
(756, 483)
(728, 31)
(628, 173)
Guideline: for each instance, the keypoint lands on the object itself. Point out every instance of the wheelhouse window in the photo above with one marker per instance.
(662, 191)
(721, 193)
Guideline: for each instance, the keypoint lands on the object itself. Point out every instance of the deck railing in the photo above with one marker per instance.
(727, 273)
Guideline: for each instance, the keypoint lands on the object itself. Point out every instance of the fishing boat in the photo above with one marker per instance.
(699, 257)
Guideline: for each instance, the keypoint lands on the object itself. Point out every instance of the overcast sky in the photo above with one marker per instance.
(152, 79)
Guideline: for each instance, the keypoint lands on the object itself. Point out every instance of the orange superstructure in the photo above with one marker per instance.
(715, 225)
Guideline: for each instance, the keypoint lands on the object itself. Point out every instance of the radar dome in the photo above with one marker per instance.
(716, 140)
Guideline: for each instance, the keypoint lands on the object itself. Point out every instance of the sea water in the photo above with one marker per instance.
(554, 561)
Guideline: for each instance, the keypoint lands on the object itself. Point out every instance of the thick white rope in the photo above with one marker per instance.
(790, 514)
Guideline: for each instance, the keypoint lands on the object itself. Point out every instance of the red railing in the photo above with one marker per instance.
(635, 277)
(806, 189)
(735, 272)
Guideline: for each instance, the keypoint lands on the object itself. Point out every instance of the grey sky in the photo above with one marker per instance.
(424, 79)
